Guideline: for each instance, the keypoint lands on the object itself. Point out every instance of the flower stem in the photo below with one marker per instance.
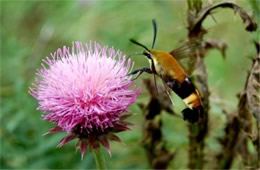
(100, 161)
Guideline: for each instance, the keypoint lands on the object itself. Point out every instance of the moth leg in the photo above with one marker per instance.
(166, 86)
(140, 71)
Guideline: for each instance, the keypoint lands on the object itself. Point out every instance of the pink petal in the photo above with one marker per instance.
(54, 130)
(83, 148)
(120, 128)
(93, 142)
(113, 137)
(92, 139)
(126, 115)
(126, 123)
(66, 140)
(78, 145)
(81, 79)
(105, 143)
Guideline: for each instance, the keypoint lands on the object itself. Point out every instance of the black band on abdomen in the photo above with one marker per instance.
(184, 89)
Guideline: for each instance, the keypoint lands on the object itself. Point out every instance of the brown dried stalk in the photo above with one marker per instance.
(235, 140)
(251, 104)
(196, 15)
(253, 86)
(153, 142)
(229, 142)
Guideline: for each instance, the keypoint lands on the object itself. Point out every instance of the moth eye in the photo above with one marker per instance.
(147, 54)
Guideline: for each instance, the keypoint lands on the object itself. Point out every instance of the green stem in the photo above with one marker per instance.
(100, 161)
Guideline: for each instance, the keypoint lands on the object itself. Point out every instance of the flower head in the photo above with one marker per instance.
(85, 91)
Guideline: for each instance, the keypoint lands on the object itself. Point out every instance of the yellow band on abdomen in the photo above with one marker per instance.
(192, 100)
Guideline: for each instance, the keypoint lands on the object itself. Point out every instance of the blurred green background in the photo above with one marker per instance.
(31, 30)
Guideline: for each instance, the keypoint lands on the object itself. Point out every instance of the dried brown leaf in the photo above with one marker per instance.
(221, 46)
(250, 24)
(253, 87)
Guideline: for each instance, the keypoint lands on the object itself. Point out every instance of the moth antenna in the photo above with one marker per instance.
(139, 44)
(154, 32)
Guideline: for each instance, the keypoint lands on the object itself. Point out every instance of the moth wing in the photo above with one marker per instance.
(186, 54)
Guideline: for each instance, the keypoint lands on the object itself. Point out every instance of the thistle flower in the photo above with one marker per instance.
(85, 91)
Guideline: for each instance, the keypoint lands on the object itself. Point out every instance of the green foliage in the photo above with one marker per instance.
(30, 30)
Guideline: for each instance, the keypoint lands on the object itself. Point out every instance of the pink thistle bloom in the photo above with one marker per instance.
(86, 91)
